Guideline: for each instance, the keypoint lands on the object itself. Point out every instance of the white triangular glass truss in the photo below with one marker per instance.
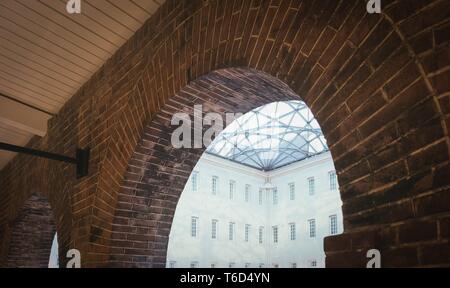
(271, 136)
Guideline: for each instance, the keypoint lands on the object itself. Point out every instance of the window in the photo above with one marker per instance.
(172, 264)
(292, 191)
(231, 265)
(333, 181)
(312, 228)
(260, 197)
(213, 265)
(293, 265)
(232, 189)
(261, 265)
(247, 232)
(194, 264)
(311, 187)
(215, 185)
(275, 197)
(292, 233)
(194, 181)
(313, 263)
(214, 229)
(275, 234)
(231, 231)
(248, 265)
(333, 225)
(194, 226)
(260, 234)
(276, 266)
(247, 193)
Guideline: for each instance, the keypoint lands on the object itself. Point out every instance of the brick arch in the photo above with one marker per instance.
(357, 73)
(31, 235)
(378, 83)
(157, 172)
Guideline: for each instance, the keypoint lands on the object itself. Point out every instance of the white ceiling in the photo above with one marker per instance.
(47, 54)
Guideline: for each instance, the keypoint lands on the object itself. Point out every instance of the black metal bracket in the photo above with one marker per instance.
(81, 160)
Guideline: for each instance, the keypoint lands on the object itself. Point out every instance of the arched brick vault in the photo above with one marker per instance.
(377, 83)
(157, 173)
(32, 235)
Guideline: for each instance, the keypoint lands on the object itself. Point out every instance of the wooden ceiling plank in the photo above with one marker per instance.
(64, 19)
(105, 20)
(148, 5)
(35, 76)
(15, 51)
(116, 13)
(60, 38)
(19, 80)
(41, 52)
(36, 67)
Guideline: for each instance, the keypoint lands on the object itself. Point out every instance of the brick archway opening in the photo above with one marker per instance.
(32, 235)
(157, 172)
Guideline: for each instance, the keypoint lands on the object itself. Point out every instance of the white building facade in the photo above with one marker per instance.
(231, 215)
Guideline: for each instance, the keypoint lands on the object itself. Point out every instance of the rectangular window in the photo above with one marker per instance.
(312, 228)
(232, 189)
(292, 191)
(172, 264)
(194, 226)
(260, 234)
(333, 225)
(276, 265)
(248, 265)
(333, 181)
(260, 197)
(213, 265)
(231, 231)
(214, 229)
(275, 234)
(231, 265)
(311, 187)
(275, 197)
(194, 181)
(313, 263)
(292, 233)
(247, 193)
(293, 265)
(247, 232)
(194, 264)
(261, 265)
(215, 185)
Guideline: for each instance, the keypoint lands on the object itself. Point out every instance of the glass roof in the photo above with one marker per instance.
(271, 136)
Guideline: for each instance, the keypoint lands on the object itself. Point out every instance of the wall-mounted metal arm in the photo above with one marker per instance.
(81, 160)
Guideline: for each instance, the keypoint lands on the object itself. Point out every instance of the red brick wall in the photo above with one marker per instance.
(378, 85)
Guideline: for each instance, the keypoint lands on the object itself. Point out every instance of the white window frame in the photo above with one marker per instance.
(292, 191)
(275, 234)
(215, 185)
(194, 181)
(292, 232)
(232, 187)
(332, 176)
(311, 186)
(312, 228)
(247, 232)
(231, 227)
(214, 224)
(194, 226)
(261, 235)
(333, 225)
(247, 192)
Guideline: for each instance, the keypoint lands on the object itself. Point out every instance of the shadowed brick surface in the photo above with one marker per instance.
(378, 85)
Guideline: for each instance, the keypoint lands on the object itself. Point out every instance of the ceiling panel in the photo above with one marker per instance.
(47, 54)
